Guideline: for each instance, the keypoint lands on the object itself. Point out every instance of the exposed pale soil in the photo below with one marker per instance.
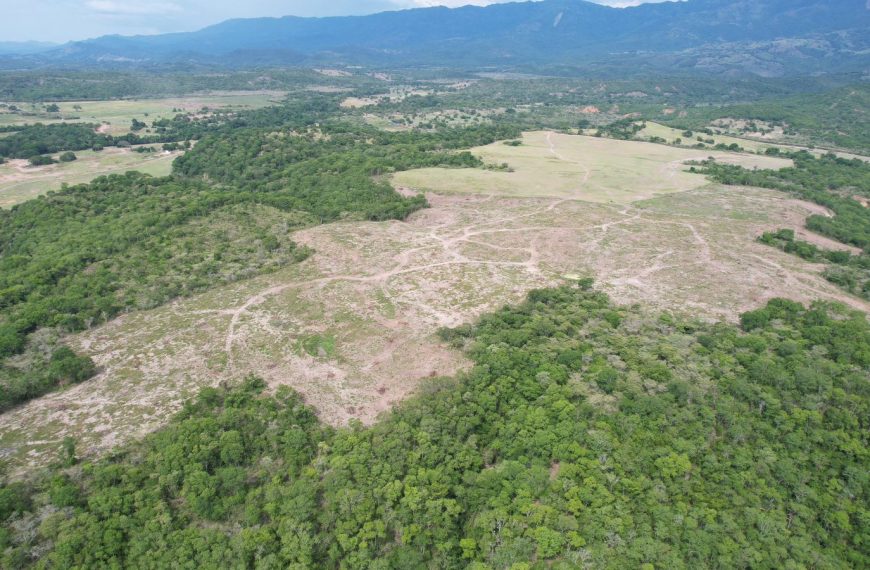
(353, 328)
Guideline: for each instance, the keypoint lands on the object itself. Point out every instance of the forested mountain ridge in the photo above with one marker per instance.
(767, 37)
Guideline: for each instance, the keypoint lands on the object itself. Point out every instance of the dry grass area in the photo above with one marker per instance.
(446, 118)
(20, 182)
(578, 167)
(394, 95)
(670, 135)
(353, 328)
(753, 142)
(117, 115)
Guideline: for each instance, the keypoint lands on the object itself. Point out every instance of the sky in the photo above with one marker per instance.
(65, 20)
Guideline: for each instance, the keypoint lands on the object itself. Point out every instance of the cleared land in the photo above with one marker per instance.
(445, 118)
(578, 167)
(20, 182)
(670, 135)
(119, 114)
(353, 328)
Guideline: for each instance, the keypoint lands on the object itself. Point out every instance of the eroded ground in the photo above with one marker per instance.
(353, 328)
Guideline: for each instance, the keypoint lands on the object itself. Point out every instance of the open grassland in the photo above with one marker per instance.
(670, 135)
(578, 167)
(118, 115)
(353, 327)
(750, 144)
(20, 182)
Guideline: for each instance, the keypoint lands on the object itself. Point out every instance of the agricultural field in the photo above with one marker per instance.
(670, 135)
(353, 328)
(117, 115)
(20, 182)
(548, 164)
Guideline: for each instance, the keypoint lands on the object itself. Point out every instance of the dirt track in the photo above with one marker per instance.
(353, 327)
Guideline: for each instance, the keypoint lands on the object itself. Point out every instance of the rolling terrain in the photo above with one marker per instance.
(353, 328)
(530, 286)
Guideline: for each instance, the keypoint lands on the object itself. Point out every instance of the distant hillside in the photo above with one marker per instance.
(25, 47)
(764, 37)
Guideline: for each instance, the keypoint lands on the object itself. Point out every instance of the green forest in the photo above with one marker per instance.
(833, 117)
(586, 435)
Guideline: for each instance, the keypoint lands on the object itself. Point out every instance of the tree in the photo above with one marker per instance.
(41, 160)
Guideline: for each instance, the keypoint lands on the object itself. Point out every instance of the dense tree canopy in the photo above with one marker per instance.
(44, 139)
(586, 435)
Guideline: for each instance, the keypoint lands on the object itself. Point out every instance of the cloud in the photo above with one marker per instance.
(458, 3)
(121, 8)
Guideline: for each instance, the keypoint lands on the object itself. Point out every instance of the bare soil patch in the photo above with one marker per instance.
(353, 328)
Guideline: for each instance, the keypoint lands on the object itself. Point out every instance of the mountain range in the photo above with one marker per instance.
(763, 37)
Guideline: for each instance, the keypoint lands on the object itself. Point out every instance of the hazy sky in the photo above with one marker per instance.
(63, 20)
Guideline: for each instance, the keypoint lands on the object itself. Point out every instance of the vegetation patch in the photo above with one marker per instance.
(19, 183)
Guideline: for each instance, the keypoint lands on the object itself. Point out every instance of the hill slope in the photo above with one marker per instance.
(767, 37)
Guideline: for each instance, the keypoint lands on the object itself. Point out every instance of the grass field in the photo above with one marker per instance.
(578, 167)
(120, 113)
(20, 182)
(670, 135)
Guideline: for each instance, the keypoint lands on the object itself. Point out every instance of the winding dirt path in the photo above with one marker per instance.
(551, 143)
(379, 291)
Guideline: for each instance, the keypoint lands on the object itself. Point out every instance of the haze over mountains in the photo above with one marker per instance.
(764, 37)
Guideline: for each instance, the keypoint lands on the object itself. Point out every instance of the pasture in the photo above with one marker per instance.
(670, 135)
(117, 115)
(20, 182)
(592, 169)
